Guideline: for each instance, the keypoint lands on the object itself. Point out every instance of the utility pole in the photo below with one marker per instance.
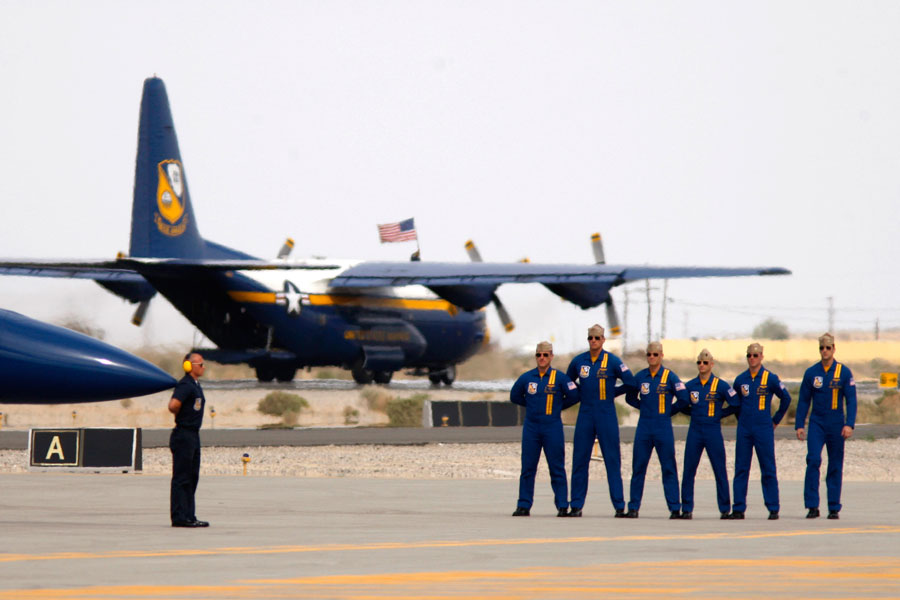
(876, 328)
(662, 332)
(625, 332)
(831, 315)
(649, 306)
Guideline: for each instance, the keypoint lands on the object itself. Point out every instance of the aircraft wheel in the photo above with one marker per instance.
(449, 375)
(382, 376)
(434, 378)
(361, 376)
(285, 374)
(265, 373)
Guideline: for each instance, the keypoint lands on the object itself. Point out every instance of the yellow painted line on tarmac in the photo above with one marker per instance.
(436, 544)
(800, 578)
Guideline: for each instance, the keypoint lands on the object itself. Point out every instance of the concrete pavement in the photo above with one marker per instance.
(108, 536)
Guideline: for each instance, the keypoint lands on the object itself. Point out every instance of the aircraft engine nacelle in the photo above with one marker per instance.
(585, 295)
(467, 297)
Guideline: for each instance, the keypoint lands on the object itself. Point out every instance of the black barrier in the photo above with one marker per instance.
(55, 448)
(96, 449)
(456, 413)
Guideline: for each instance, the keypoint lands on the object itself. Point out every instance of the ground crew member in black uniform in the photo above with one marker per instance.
(544, 392)
(828, 386)
(187, 404)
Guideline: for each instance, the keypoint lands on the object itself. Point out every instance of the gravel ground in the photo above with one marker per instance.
(864, 460)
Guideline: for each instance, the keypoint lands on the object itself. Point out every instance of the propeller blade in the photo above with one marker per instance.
(612, 318)
(140, 312)
(507, 321)
(474, 254)
(597, 245)
(286, 248)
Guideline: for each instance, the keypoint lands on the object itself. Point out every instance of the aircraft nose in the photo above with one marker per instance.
(45, 364)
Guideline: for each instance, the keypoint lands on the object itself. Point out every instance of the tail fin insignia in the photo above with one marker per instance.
(170, 198)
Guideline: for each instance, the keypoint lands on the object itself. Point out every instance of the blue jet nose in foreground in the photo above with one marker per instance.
(46, 364)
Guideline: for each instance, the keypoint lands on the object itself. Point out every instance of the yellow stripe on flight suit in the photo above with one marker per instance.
(550, 396)
(834, 390)
(662, 397)
(712, 392)
(603, 379)
(762, 384)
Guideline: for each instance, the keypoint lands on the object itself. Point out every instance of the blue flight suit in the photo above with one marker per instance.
(707, 409)
(828, 392)
(596, 379)
(755, 430)
(544, 398)
(653, 397)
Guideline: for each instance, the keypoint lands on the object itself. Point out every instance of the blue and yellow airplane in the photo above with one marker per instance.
(278, 315)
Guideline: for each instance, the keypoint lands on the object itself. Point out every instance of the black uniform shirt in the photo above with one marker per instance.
(189, 392)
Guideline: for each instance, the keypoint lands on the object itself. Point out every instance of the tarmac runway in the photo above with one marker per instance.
(107, 536)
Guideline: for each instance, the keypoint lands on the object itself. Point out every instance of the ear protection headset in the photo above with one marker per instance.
(188, 366)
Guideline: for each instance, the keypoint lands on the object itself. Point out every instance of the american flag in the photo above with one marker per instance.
(403, 231)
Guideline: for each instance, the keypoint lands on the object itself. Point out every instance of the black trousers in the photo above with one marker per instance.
(185, 447)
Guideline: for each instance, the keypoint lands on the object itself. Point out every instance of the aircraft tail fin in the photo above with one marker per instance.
(162, 218)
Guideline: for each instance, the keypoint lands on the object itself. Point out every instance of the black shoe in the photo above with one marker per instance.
(187, 524)
(521, 512)
(813, 513)
(199, 523)
(833, 514)
(687, 515)
(620, 513)
(675, 515)
(631, 514)
(737, 514)
(773, 515)
(575, 512)
(562, 512)
(725, 516)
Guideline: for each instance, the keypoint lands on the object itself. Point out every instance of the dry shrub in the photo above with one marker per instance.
(376, 397)
(406, 412)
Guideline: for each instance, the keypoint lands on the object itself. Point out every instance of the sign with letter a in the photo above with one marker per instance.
(51, 447)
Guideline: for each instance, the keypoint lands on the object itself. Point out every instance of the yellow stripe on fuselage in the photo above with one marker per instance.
(350, 300)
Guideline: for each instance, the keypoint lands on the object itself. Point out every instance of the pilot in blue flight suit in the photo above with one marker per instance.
(656, 386)
(829, 386)
(544, 392)
(756, 430)
(708, 395)
(595, 372)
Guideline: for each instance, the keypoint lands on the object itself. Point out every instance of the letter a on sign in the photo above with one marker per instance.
(55, 448)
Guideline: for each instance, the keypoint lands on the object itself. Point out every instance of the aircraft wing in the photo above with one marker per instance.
(98, 270)
(375, 274)
(472, 285)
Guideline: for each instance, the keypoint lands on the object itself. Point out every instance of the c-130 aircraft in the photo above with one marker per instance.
(279, 315)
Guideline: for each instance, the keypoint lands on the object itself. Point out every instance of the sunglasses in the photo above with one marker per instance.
(541, 354)
(702, 362)
(595, 337)
(824, 348)
(198, 364)
(653, 354)
(753, 356)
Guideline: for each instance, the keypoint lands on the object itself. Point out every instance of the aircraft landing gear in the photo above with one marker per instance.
(382, 376)
(361, 376)
(447, 376)
(265, 373)
(285, 374)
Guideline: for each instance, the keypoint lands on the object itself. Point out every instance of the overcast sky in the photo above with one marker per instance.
(731, 134)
